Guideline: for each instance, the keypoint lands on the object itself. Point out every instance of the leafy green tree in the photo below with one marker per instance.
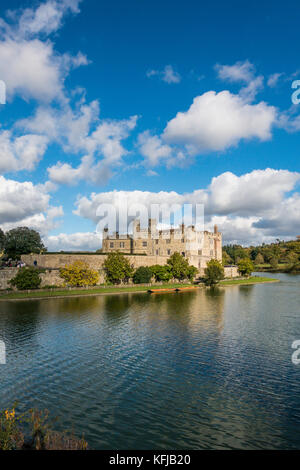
(259, 259)
(179, 266)
(2, 239)
(26, 278)
(161, 273)
(22, 241)
(274, 262)
(245, 267)
(214, 272)
(142, 275)
(192, 272)
(226, 259)
(117, 268)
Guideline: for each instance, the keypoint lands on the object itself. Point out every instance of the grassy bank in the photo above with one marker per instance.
(45, 294)
(250, 280)
(81, 292)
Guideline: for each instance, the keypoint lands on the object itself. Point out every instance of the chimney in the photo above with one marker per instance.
(215, 229)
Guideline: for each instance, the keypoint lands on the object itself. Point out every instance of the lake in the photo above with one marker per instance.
(192, 370)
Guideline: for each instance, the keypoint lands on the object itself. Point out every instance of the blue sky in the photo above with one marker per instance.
(149, 101)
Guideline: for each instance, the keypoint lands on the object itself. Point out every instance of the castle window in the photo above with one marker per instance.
(199, 252)
(111, 245)
(122, 245)
(156, 242)
(182, 240)
(169, 252)
(144, 243)
(168, 241)
(156, 252)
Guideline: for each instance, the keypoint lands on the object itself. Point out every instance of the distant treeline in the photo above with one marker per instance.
(279, 256)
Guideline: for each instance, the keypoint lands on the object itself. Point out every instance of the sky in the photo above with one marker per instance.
(149, 102)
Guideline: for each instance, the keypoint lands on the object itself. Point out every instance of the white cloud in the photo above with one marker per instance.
(153, 149)
(45, 19)
(30, 67)
(242, 72)
(168, 74)
(24, 204)
(274, 79)
(249, 208)
(81, 241)
(218, 121)
(20, 153)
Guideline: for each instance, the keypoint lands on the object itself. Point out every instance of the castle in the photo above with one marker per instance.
(197, 246)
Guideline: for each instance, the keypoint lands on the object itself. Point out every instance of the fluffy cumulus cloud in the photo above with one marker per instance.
(168, 74)
(81, 241)
(29, 66)
(218, 121)
(26, 204)
(249, 208)
(21, 153)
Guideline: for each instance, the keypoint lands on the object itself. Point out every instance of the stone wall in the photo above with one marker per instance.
(5, 276)
(56, 261)
(53, 262)
(231, 271)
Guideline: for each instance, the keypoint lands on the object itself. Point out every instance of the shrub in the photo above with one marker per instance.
(79, 274)
(161, 273)
(27, 278)
(142, 275)
(117, 268)
(214, 272)
(32, 431)
(245, 267)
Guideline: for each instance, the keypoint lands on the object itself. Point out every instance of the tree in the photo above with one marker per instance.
(117, 268)
(26, 278)
(274, 262)
(214, 272)
(259, 259)
(22, 241)
(161, 273)
(142, 275)
(179, 266)
(79, 274)
(226, 259)
(192, 271)
(245, 267)
(2, 239)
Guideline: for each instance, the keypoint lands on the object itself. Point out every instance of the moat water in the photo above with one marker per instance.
(196, 370)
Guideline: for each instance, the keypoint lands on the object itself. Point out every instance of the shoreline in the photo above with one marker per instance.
(62, 294)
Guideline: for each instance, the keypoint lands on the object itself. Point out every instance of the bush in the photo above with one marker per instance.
(142, 275)
(214, 272)
(79, 274)
(117, 268)
(245, 267)
(27, 278)
(161, 273)
(32, 431)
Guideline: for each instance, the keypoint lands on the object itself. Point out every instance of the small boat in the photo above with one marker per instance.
(176, 289)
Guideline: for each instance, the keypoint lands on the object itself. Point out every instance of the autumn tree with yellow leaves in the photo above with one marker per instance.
(79, 274)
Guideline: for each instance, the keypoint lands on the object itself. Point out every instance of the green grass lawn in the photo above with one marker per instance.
(101, 290)
(250, 280)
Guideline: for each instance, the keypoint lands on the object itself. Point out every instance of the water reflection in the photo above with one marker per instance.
(199, 369)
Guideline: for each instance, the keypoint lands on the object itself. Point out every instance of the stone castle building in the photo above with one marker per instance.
(197, 246)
